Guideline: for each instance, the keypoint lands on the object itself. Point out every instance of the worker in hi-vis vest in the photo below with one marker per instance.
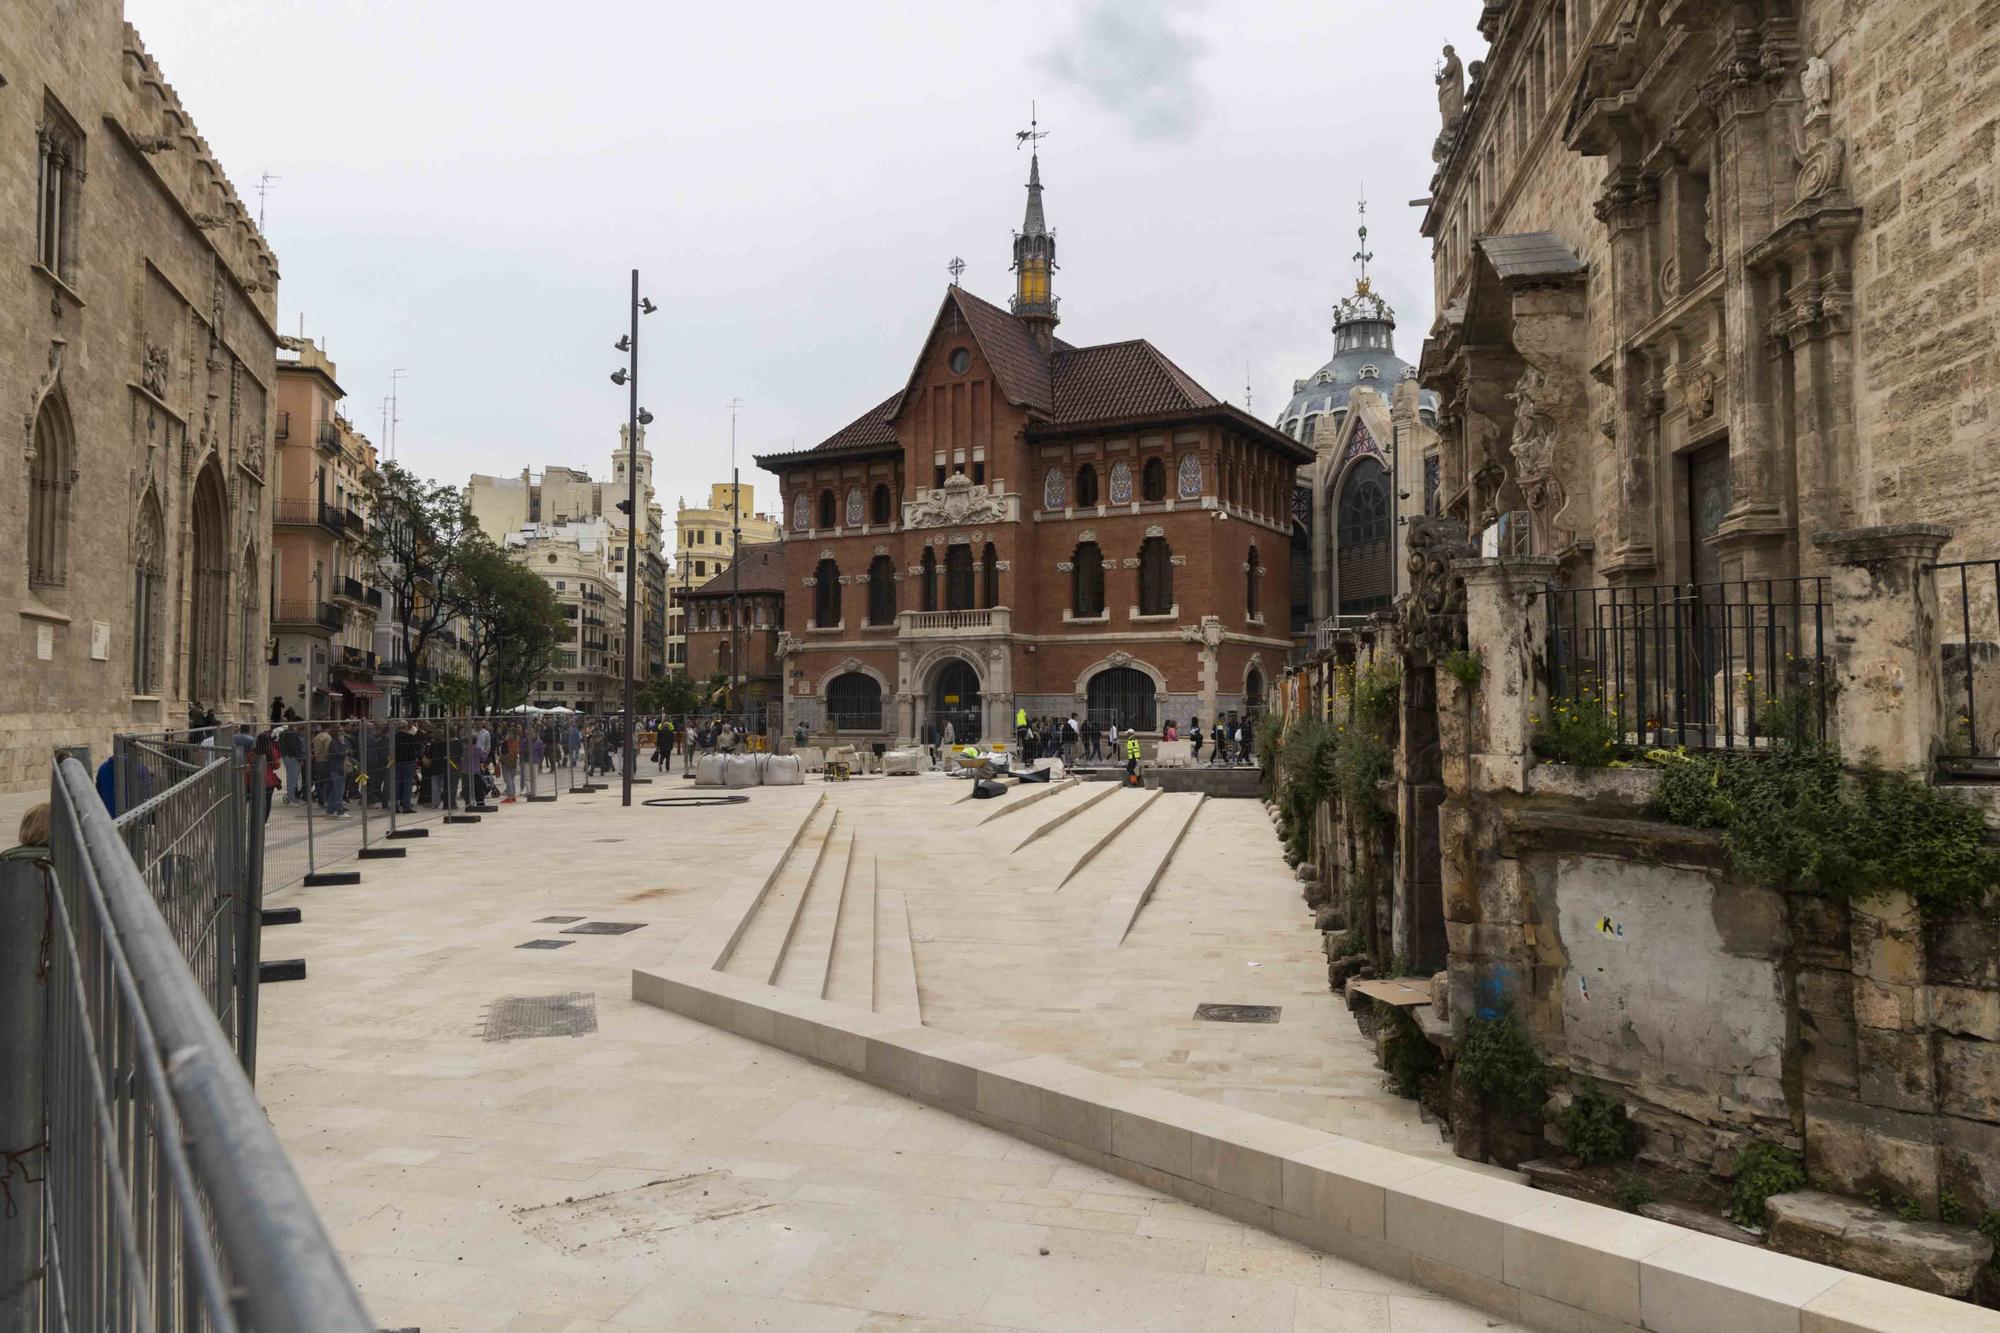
(1021, 730)
(1132, 758)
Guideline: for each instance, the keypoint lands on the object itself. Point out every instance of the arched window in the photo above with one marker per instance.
(1086, 596)
(208, 618)
(854, 702)
(882, 591)
(884, 507)
(1361, 536)
(1156, 577)
(1153, 481)
(826, 594)
(930, 597)
(50, 475)
(248, 646)
(827, 514)
(1253, 691)
(1251, 603)
(1086, 485)
(149, 566)
(958, 578)
(989, 577)
(1124, 695)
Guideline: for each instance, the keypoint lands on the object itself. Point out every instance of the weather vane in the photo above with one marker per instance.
(955, 267)
(1364, 254)
(1032, 135)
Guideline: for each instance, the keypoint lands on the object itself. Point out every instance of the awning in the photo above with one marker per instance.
(361, 689)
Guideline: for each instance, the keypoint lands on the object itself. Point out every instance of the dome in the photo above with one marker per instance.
(1364, 341)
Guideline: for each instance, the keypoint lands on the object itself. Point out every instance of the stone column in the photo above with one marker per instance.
(1508, 627)
(1885, 653)
(1883, 642)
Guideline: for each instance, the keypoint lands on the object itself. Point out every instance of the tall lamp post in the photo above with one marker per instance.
(636, 416)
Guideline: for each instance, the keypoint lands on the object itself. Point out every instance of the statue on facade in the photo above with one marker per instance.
(1450, 80)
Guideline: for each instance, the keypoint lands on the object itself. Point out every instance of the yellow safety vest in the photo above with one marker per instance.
(1132, 748)
(1020, 717)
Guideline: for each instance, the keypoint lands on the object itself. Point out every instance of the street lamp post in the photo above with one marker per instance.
(636, 416)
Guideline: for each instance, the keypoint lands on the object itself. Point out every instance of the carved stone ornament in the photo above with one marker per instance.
(881, 550)
(1821, 155)
(1155, 530)
(153, 374)
(801, 513)
(851, 664)
(957, 501)
(1087, 535)
(1065, 567)
(1120, 659)
(1433, 612)
(1700, 396)
(1121, 483)
(1190, 477)
(788, 643)
(854, 507)
(826, 553)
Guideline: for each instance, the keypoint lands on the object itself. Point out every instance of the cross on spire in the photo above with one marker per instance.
(1364, 254)
(955, 267)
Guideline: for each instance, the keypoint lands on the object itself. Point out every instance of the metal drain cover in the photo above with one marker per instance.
(556, 920)
(1237, 1013)
(606, 928)
(546, 944)
(512, 1017)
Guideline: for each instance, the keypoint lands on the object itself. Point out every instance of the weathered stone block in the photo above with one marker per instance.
(1826, 1028)
(1864, 1150)
(1847, 1233)
(1883, 1006)
(1966, 1011)
(1895, 1069)
(1965, 950)
(1968, 1077)
(1820, 935)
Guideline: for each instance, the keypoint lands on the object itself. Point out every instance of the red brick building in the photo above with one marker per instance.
(1029, 524)
(733, 624)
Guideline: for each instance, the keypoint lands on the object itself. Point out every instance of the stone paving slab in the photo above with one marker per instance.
(662, 1174)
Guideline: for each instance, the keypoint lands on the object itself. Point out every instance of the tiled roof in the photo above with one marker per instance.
(1018, 362)
(1127, 379)
(763, 570)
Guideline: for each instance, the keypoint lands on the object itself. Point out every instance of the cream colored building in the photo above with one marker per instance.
(137, 345)
(574, 559)
(563, 495)
(702, 547)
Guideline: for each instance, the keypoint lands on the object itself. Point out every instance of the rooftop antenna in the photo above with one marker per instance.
(955, 267)
(394, 420)
(1364, 254)
(264, 189)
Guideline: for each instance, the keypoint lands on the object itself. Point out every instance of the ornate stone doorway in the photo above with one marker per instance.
(954, 698)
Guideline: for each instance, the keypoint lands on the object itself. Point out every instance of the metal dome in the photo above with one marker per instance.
(1365, 354)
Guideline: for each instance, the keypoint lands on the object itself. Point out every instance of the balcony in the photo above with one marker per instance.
(593, 645)
(372, 596)
(315, 615)
(327, 437)
(350, 589)
(355, 521)
(357, 660)
(283, 430)
(306, 514)
(990, 620)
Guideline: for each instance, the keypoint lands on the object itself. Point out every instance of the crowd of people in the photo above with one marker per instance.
(1089, 740)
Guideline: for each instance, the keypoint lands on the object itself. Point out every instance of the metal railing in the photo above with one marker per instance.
(1691, 665)
(163, 1199)
(1968, 594)
(284, 427)
(306, 514)
(324, 614)
(327, 436)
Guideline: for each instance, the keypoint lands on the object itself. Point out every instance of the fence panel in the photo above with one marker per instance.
(1693, 665)
(167, 1202)
(1968, 594)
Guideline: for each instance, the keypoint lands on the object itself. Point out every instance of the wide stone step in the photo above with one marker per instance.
(761, 946)
(1059, 811)
(850, 978)
(808, 955)
(1848, 1233)
(1134, 868)
(896, 995)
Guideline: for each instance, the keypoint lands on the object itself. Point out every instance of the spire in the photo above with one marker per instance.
(1364, 307)
(1035, 245)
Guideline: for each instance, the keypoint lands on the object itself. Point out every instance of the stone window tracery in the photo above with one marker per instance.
(1190, 477)
(1121, 483)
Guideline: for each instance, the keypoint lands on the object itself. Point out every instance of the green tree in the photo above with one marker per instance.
(451, 691)
(670, 695)
(417, 536)
(513, 620)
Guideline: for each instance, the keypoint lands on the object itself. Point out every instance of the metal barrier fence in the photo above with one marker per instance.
(164, 1200)
(1691, 665)
(1968, 593)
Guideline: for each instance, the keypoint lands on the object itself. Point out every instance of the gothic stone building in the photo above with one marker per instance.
(1029, 524)
(137, 353)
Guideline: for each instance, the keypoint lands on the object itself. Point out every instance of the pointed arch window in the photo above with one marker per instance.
(882, 591)
(1086, 485)
(248, 646)
(826, 594)
(1251, 602)
(1362, 539)
(930, 576)
(1156, 577)
(989, 577)
(958, 578)
(1086, 595)
(1153, 481)
(51, 475)
(149, 568)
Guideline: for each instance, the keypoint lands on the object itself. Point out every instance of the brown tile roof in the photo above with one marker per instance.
(869, 431)
(1127, 379)
(763, 570)
(1018, 362)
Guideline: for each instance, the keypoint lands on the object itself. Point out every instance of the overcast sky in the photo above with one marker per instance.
(465, 185)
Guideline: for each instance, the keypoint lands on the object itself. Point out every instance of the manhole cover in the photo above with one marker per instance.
(556, 920)
(606, 928)
(515, 1016)
(1237, 1013)
(546, 944)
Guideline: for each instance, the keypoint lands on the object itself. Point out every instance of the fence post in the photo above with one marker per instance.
(250, 949)
(24, 922)
(1884, 644)
(1507, 626)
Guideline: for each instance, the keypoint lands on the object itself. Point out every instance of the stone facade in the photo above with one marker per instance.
(735, 622)
(575, 560)
(137, 322)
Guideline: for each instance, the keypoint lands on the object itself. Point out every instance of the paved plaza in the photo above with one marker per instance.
(644, 1170)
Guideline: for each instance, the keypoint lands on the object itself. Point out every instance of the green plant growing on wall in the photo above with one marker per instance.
(1269, 739)
(1497, 1061)
(1407, 1055)
(1989, 1227)
(1633, 1192)
(1466, 666)
(1578, 729)
(1764, 1169)
(1597, 1129)
(1951, 1211)
(1304, 767)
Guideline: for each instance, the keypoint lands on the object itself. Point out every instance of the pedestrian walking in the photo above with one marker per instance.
(1194, 740)
(510, 762)
(336, 772)
(1220, 736)
(409, 749)
(531, 761)
(292, 752)
(1131, 758)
